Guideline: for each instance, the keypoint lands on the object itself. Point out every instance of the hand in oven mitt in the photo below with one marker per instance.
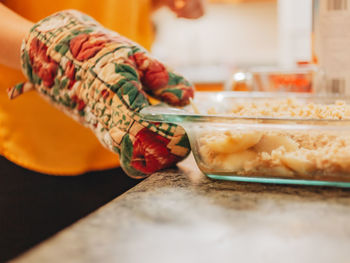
(101, 80)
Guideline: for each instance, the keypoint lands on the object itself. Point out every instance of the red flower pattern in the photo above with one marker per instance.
(42, 64)
(150, 152)
(70, 73)
(154, 75)
(105, 93)
(80, 103)
(172, 99)
(85, 46)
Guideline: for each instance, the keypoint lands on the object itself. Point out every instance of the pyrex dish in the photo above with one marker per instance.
(289, 150)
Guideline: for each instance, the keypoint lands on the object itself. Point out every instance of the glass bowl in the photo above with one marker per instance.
(266, 149)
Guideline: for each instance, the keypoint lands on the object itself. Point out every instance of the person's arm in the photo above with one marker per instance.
(102, 79)
(13, 29)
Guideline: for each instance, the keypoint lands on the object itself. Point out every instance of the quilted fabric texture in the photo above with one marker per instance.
(101, 80)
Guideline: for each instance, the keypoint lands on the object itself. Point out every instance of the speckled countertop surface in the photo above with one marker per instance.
(181, 216)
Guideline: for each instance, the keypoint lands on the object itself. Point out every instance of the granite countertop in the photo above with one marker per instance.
(179, 215)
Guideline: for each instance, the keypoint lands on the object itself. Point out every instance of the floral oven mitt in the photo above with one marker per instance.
(101, 79)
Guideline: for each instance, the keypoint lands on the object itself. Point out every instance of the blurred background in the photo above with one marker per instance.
(234, 35)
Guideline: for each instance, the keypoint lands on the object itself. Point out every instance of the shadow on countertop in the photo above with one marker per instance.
(35, 206)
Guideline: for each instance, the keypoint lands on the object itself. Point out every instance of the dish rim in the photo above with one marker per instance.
(164, 113)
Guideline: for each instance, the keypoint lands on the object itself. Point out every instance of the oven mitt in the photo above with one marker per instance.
(102, 79)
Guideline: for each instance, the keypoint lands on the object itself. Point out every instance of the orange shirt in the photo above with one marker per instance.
(39, 137)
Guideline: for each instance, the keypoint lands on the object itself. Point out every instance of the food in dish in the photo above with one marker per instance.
(284, 152)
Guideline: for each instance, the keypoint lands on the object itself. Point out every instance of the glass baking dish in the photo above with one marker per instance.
(265, 149)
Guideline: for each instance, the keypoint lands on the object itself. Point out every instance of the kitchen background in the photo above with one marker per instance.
(234, 34)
